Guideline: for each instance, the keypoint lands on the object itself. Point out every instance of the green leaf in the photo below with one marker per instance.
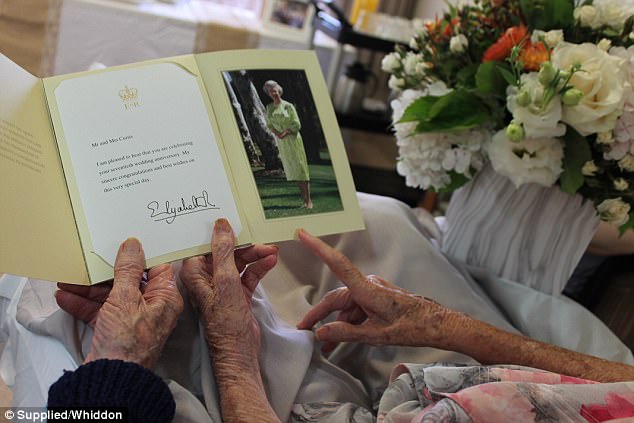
(548, 14)
(576, 154)
(489, 80)
(419, 109)
(627, 225)
(455, 111)
(506, 74)
(466, 76)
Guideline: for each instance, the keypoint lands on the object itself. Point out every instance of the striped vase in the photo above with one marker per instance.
(532, 235)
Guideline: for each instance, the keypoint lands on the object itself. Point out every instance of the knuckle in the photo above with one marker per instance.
(128, 269)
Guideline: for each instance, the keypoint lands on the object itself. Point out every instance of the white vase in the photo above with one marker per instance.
(532, 235)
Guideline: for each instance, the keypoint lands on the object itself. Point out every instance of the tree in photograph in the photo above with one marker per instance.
(255, 159)
(254, 114)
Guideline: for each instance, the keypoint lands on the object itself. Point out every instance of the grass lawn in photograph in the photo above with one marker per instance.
(281, 198)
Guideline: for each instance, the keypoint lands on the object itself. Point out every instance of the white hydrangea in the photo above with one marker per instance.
(426, 159)
(531, 160)
(537, 121)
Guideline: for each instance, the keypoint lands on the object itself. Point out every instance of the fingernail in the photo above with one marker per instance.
(299, 232)
(222, 226)
(132, 246)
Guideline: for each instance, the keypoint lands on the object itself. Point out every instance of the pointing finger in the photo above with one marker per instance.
(338, 263)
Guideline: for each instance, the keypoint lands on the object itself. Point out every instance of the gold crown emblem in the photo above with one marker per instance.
(128, 94)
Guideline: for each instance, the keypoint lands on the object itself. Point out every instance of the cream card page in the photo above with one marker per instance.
(134, 137)
(159, 150)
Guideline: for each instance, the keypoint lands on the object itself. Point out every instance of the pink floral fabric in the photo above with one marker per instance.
(517, 394)
(483, 394)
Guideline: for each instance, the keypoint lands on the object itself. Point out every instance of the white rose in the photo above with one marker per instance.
(421, 68)
(614, 211)
(589, 168)
(554, 37)
(536, 160)
(603, 81)
(391, 62)
(551, 38)
(537, 121)
(458, 43)
(627, 163)
(410, 63)
(395, 83)
(613, 15)
(587, 16)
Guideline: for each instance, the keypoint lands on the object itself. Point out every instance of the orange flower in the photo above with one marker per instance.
(441, 28)
(450, 26)
(533, 55)
(502, 47)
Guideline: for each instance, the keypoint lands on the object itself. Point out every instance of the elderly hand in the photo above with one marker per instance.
(373, 310)
(130, 323)
(221, 286)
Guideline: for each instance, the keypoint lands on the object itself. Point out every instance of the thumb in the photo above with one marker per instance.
(129, 265)
(341, 332)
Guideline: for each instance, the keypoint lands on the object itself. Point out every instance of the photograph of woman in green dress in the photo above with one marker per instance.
(282, 120)
(284, 141)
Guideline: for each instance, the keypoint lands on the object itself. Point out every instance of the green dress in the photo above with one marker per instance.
(291, 147)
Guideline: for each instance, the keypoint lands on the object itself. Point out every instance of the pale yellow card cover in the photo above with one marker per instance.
(38, 236)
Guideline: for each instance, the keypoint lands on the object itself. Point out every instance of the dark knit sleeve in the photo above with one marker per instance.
(115, 383)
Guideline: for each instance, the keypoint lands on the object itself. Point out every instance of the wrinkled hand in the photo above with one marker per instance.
(221, 287)
(130, 323)
(370, 309)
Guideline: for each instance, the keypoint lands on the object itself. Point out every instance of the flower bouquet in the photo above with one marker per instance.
(540, 89)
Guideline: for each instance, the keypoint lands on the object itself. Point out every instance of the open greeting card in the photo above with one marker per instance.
(158, 150)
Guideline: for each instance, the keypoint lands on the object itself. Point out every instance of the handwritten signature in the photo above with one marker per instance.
(168, 212)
